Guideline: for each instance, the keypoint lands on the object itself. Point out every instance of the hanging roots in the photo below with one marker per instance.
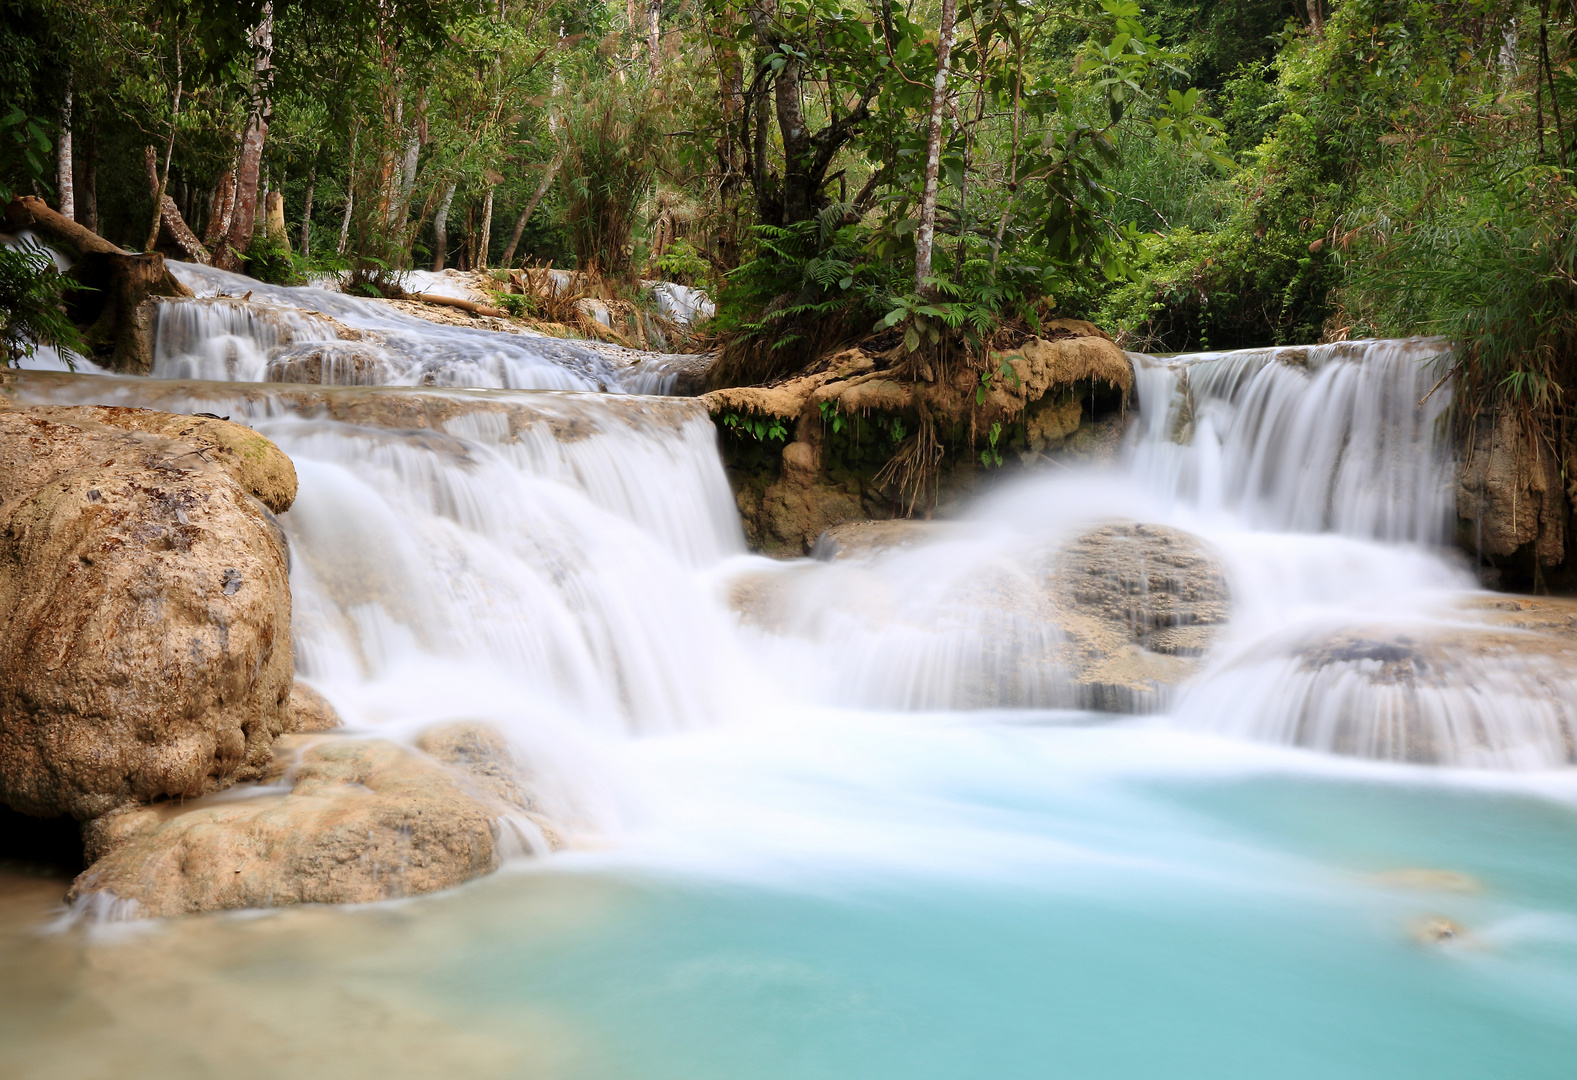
(916, 466)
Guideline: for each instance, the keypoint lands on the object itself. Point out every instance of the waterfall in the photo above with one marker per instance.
(570, 560)
(241, 330)
(1343, 438)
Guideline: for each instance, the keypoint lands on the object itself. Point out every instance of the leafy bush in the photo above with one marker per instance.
(32, 311)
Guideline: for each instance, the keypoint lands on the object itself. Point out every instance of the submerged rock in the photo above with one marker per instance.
(853, 538)
(362, 820)
(144, 607)
(1139, 605)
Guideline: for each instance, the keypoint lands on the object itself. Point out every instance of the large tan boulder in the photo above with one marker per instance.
(144, 607)
(362, 820)
(1139, 605)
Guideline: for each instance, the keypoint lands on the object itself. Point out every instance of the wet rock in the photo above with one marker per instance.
(1510, 494)
(363, 820)
(1139, 605)
(852, 538)
(310, 711)
(144, 607)
(330, 363)
(253, 461)
(481, 754)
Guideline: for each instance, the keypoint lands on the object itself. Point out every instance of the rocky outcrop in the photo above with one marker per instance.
(1139, 605)
(330, 363)
(1135, 606)
(362, 820)
(1510, 494)
(829, 445)
(144, 607)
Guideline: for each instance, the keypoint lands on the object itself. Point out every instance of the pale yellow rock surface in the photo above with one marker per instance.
(144, 607)
(362, 820)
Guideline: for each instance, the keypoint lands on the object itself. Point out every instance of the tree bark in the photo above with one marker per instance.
(306, 215)
(350, 197)
(453, 301)
(487, 229)
(274, 219)
(162, 181)
(90, 180)
(441, 229)
(933, 152)
(654, 10)
(171, 225)
(239, 237)
(63, 168)
(525, 215)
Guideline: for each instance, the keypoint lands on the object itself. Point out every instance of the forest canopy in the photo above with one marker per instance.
(1200, 173)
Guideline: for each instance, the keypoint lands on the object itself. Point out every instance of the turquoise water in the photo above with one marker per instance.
(909, 897)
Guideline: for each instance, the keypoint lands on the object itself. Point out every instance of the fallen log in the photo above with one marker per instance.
(117, 309)
(29, 211)
(454, 301)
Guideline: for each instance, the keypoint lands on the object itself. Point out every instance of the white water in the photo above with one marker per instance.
(800, 876)
(241, 330)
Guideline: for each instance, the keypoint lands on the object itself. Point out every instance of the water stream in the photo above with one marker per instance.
(876, 834)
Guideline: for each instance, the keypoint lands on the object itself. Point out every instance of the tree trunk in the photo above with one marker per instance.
(487, 229)
(90, 180)
(171, 225)
(654, 9)
(274, 219)
(400, 207)
(350, 197)
(306, 215)
(219, 209)
(239, 237)
(525, 215)
(63, 169)
(933, 153)
(162, 181)
(441, 229)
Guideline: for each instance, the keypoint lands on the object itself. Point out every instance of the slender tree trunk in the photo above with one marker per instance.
(400, 207)
(654, 10)
(306, 215)
(933, 153)
(487, 229)
(350, 197)
(90, 180)
(239, 237)
(525, 215)
(63, 168)
(169, 153)
(441, 229)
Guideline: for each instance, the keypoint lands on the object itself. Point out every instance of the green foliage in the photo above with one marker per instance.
(766, 429)
(32, 311)
(615, 145)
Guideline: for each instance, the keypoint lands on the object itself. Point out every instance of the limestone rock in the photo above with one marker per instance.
(310, 710)
(1509, 490)
(483, 758)
(144, 608)
(363, 820)
(330, 363)
(1139, 605)
(252, 460)
(853, 538)
(1431, 695)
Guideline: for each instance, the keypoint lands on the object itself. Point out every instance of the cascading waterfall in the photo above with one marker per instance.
(241, 330)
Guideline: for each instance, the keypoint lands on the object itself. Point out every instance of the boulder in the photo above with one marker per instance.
(362, 820)
(310, 710)
(330, 363)
(1139, 605)
(144, 607)
(1510, 493)
(1428, 693)
(854, 538)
